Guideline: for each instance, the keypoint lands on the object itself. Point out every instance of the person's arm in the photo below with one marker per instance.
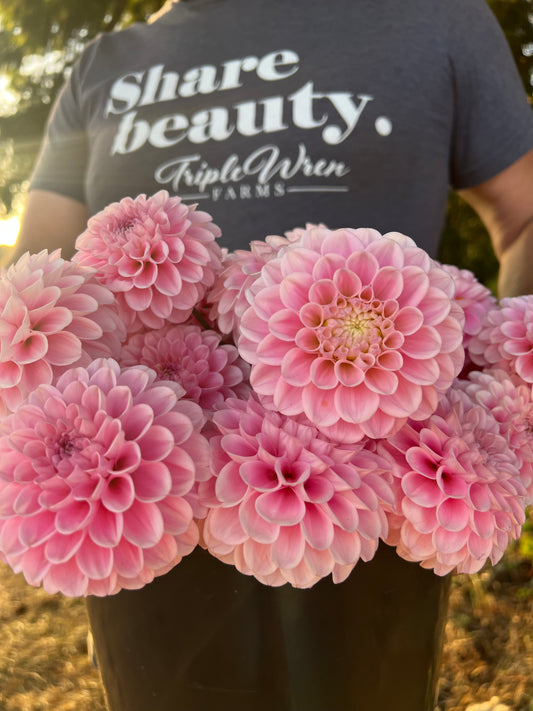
(505, 204)
(50, 221)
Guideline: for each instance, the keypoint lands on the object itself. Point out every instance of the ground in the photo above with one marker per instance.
(488, 650)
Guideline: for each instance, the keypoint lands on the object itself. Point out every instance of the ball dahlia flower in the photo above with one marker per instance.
(240, 268)
(158, 255)
(93, 479)
(54, 315)
(462, 498)
(473, 297)
(356, 330)
(505, 340)
(285, 505)
(208, 370)
(510, 401)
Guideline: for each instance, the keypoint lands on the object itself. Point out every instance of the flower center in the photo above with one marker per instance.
(357, 327)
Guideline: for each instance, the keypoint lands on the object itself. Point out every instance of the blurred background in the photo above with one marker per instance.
(40, 40)
(44, 664)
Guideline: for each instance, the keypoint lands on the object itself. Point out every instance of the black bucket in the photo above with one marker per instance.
(207, 638)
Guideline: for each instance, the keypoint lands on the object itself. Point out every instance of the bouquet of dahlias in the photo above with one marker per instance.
(285, 407)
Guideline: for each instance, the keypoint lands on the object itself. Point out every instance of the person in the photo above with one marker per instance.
(270, 114)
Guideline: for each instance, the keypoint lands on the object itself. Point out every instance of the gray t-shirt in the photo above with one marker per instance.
(274, 113)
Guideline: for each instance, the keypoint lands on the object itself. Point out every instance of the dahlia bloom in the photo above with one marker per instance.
(473, 297)
(462, 498)
(510, 401)
(230, 294)
(505, 340)
(285, 505)
(157, 255)
(208, 370)
(54, 315)
(93, 479)
(356, 330)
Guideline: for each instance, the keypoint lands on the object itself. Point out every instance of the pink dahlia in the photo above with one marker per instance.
(462, 498)
(54, 315)
(230, 294)
(94, 475)
(208, 370)
(473, 297)
(510, 401)
(357, 330)
(285, 504)
(156, 254)
(505, 340)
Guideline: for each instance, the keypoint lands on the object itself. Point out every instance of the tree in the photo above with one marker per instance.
(37, 48)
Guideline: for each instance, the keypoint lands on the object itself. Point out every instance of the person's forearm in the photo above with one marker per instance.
(516, 265)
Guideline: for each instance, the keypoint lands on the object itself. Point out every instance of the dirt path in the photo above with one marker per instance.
(488, 650)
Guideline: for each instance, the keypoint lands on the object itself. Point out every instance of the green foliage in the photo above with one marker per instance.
(54, 31)
(526, 541)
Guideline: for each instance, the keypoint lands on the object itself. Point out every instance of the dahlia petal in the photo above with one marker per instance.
(60, 548)
(258, 558)
(34, 565)
(347, 283)
(285, 324)
(323, 374)
(404, 402)
(423, 520)
(73, 517)
(34, 347)
(346, 547)
(424, 343)
(10, 544)
(348, 373)
(119, 494)
(264, 378)
(288, 549)
(297, 368)
(143, 524)
(293, 292)
(105, 527)
(66, 578)
(287, 399)
(271, 350)
(283, 507)
(480, 497)
(95, 561)
(483, 524)
(317, 527)
(448, 541)
(344, 512)
(225, 525)
(255, 525)
(177, 515)
(259, 475)
(453, 514)
(383, 382)
(364, 264)
(128, 559)
(156, 443)
(138, 299)
(63, 348)
(480, 548)
(10, 374)
(151, 481)
(166, 553)
(355, 404)
(422, 490)
(408, 320)
(387, 283)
